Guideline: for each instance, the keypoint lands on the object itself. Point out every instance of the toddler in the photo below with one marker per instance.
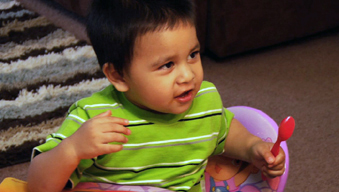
(158, 121)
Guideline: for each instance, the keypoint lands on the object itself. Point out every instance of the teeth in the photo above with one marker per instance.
(184, 94)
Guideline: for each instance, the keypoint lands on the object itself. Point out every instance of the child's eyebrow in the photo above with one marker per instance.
(197, 46)
(168, 58)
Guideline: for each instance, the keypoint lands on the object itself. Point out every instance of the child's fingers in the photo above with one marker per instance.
(111, 148)
(115, 128)
(118, 120)
(277, 167)
(114, 137)
(279, 160)
(108, 113)
(273, 173)
(267, 156)
(109, 118)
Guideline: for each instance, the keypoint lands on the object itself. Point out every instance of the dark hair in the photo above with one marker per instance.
(114, 25)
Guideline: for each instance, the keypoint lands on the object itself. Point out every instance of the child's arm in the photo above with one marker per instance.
(241, 144)
(51, 170)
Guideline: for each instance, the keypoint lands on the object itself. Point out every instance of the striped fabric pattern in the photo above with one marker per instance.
(43, 70)
(164, 150)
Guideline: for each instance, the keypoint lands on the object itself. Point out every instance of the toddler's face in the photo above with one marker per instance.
(165, 73)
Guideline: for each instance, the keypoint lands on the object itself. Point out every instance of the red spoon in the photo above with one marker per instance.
(285, 131)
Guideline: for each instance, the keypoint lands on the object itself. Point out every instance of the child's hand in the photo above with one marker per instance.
(262, 158)
(93, 137)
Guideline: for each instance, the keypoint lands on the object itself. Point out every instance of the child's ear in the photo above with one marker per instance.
(114, 77)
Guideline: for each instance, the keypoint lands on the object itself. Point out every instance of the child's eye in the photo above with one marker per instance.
(193, 55)
(167, 65)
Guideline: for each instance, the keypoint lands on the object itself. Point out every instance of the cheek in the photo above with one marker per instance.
(199, 72)
(155, 92)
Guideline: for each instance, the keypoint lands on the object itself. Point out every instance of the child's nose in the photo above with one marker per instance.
(186, 73)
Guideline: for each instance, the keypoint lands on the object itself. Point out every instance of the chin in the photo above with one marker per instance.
(176, 110)
(181, 110)
(177, 113)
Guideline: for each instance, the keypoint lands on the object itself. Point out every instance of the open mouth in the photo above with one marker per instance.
(185, 93)
(185, 97)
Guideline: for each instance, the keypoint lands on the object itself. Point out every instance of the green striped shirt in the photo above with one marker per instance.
(164, 150)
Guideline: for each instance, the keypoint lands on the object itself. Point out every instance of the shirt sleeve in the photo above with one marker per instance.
(75, 118)
(226, 119)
